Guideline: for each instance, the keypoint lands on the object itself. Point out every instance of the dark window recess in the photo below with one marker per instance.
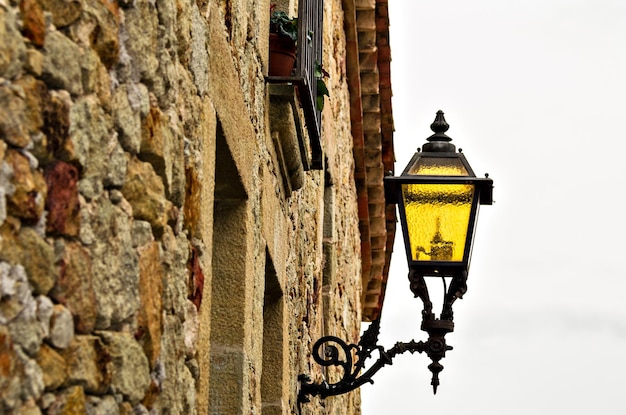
(310, 24)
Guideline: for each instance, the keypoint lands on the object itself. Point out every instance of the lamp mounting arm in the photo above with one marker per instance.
(352, 377)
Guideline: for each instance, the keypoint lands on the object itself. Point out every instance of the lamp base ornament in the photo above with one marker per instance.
(435, 347)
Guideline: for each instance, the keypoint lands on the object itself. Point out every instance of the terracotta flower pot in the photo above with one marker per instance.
(282, 55)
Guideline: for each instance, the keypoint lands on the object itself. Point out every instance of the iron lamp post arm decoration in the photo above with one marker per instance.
(352, 377)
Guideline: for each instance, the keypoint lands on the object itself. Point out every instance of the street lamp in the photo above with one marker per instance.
(438, 196)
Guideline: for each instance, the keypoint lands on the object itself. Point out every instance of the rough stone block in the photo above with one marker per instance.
(29, 188)
(95, 147)
(12, 47)
(130, 371)
(74, 287)
(33, 21)
(69, 401)
(87, 361)
(27, 247)
(115, 268)
(61, 327)
(62, 202)
(150, 315)
(61, 65)
(145, 192)
(64, 12)
(98, 27)
(12, 116)
(53, 366)
(127, 120)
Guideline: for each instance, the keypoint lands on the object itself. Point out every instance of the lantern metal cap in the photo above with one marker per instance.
(439, 142)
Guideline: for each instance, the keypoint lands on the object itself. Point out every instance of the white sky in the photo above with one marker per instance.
(535, 95)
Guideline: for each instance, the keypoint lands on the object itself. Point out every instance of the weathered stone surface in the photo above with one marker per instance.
(26, 246)
(155, 140)
(11, 370)
(174, 374)
(34, 93)
(61, 65)
(30, 408)
(74, 287)
(6, 187)
(12, 115)
(196, 284)
(87, 361)
(145, 192)
(138, 409)
(150, 316)
(62, 203)
(115, 267)
(199, 53)
(45, 309)
(130, 372)
(61, 327)
(14, 291)
(127, 120)
(28, 198)
(56, 116)
(32, 385)
(96, 149)
(123, 264)
(187, 402)
(64, 12)
(86, 235)
(96, 77)
(190, 330)
(98, 28)
(105, 405)
(176, 288)
(12, 48)
(71, 401)
(53, 366)
(33, 26)
(140, 40)
(33, 62)
(25, 329)
(116, 169)
(139, 98)
(142, 233)
(90, 188)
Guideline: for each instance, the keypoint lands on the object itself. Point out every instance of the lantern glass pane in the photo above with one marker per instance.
(438, 166)
(437, 217)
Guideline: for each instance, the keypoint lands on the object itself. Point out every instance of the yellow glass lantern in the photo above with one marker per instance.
(439, 194)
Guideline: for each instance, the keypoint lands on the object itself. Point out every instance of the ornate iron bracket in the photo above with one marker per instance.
(435, 347)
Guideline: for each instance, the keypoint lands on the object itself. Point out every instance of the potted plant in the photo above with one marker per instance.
(283, 36)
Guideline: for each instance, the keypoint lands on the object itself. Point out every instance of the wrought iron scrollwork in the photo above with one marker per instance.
(352, 377)
(351, 358)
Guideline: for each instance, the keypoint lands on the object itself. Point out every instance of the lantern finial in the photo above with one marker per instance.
(439, 141)
(440, 126)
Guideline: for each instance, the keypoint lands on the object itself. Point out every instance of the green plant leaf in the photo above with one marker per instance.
(322, 91)
(319, 103)
(282, 24)
(321, 88)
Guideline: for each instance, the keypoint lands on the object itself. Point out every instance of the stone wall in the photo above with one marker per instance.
(151, 258)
